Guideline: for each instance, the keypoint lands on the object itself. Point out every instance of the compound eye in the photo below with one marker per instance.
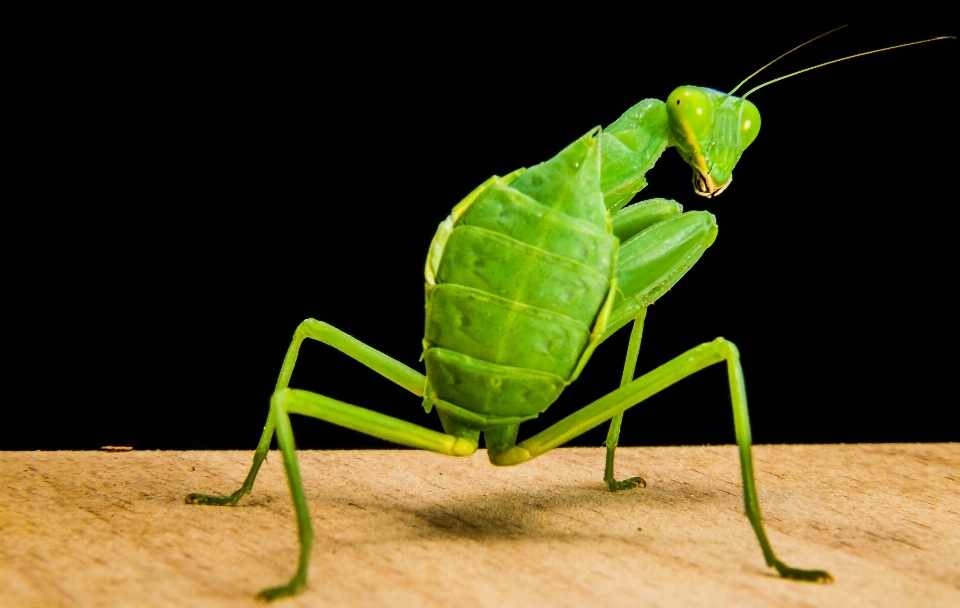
(749, 124)
(691, 113)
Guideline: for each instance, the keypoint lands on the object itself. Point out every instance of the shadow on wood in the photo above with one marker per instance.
(413, 528)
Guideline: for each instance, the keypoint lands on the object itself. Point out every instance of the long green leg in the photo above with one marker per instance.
(390, 368)
(279, 420)
(649, 384)
(613, 435)
(288, 401)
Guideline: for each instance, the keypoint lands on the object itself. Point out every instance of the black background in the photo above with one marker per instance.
(180, 207)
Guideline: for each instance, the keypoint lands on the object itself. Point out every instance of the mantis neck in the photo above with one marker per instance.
(629, 147)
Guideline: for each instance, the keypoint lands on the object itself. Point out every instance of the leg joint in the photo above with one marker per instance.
(727, 348)
(281, 398)
(309, 327)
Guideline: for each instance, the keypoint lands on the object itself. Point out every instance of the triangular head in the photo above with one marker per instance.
(711, 130)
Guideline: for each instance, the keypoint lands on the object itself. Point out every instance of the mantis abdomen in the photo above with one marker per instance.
(522, 269)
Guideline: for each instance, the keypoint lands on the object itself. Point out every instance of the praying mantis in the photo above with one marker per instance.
(528, 275)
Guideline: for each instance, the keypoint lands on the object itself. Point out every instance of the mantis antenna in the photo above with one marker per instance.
(744, 81)
(889, 48)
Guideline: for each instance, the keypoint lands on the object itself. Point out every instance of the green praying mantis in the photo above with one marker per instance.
(528, 275)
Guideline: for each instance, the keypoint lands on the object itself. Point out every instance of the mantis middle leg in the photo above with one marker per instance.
(649, 384)
(613, 434)
(386, 366)
(660, 244)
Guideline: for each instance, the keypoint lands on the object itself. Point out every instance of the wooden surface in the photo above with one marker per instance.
(404, 528)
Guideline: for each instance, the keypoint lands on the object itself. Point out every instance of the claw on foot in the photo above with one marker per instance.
(209, 499)
(796, 574)
(275, 593)
(626, 484)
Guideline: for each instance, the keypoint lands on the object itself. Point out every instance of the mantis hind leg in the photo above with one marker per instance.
(651, 383)
(388, 367)
(613, 434)
(287, 401)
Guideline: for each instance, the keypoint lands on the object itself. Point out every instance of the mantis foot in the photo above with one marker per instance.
(626, 484)
(275, 593)
(214, 500)
(796, 574)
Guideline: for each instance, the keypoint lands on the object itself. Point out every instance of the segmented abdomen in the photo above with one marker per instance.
(523, 270)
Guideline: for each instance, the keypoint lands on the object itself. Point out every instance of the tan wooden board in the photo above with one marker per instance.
(406, 528)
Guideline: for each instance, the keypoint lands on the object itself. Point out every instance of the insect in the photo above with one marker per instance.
(528, 275)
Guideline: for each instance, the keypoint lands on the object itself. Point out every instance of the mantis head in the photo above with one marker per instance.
(711, 130)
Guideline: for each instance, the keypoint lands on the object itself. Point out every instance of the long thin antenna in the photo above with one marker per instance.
(889, 48)
(782, 56)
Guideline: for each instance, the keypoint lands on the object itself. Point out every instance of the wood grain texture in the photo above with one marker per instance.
(406, 528)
